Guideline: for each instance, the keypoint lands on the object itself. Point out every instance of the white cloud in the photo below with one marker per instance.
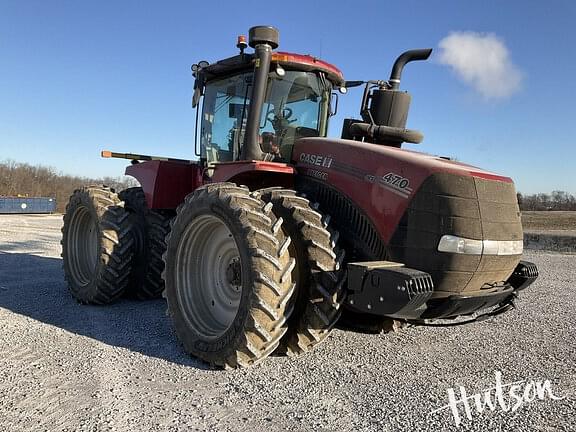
(483, 61)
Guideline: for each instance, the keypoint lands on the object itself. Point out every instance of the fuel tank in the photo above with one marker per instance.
(396, 204)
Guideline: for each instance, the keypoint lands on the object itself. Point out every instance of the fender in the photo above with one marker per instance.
(255, 174)
(166, 183)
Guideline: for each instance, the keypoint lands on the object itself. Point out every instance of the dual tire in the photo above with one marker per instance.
(285, 295)
(97, 245)
(112, 245)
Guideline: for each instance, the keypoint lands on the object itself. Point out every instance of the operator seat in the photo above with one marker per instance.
(289, 137)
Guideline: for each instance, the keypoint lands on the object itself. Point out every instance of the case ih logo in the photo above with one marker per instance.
(317, 160)
(393, 182)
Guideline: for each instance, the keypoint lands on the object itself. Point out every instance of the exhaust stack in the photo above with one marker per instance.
(385, 108)
(402, 60)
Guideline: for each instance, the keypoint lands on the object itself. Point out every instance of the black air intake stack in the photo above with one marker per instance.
(263, 39)
(385, 108)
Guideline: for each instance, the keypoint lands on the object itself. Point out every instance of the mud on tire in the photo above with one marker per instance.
(228, 276)
(97, 246)
(150, 228)
(318, 274)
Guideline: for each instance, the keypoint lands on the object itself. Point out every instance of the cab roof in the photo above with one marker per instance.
(287, 60)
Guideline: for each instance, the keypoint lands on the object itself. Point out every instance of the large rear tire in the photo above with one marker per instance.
(228, 276)
(97, 246)
(318, 273)
(150, 228)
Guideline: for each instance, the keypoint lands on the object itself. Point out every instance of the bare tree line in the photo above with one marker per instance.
(41, 181)
(557, 200)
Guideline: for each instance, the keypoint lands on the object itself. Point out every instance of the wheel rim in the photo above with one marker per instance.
(83, 246)
(208, 276)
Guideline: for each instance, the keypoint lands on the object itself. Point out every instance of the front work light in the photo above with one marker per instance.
(460, 245)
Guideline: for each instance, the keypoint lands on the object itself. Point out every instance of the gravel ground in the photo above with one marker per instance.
(64, 366)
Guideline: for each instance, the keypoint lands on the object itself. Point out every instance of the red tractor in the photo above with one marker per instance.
(262, 243)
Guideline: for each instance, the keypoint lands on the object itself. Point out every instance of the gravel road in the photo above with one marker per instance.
(69, 367)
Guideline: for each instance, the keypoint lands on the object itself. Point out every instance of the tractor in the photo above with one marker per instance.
(274, 232)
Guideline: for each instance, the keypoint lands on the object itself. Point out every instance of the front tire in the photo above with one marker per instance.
(228, 276)
(97, 246)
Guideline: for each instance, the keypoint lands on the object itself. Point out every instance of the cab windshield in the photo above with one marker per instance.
(296, 106)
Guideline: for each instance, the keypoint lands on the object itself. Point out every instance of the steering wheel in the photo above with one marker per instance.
(287, 113)
(278, 121)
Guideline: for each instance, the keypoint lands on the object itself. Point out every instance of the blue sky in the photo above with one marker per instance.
(78, 77)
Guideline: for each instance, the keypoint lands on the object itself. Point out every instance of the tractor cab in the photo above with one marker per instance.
(296, 105)
(294, 101)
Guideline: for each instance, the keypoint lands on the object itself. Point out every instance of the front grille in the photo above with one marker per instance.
(469, 207)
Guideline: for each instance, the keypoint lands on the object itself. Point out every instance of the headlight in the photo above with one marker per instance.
(454, 244)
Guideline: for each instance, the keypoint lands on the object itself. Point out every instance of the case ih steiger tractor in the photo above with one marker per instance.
(262, 243)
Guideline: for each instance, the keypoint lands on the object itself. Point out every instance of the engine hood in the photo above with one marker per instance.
(374, 158)
(399, 203)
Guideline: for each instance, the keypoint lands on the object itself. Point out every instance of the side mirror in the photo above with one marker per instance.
(333, 104)
(196, 97)
(196, 67)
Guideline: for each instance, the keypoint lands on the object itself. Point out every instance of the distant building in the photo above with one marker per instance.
(27, 205)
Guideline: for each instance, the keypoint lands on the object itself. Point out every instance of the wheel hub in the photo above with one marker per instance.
(233, 273)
